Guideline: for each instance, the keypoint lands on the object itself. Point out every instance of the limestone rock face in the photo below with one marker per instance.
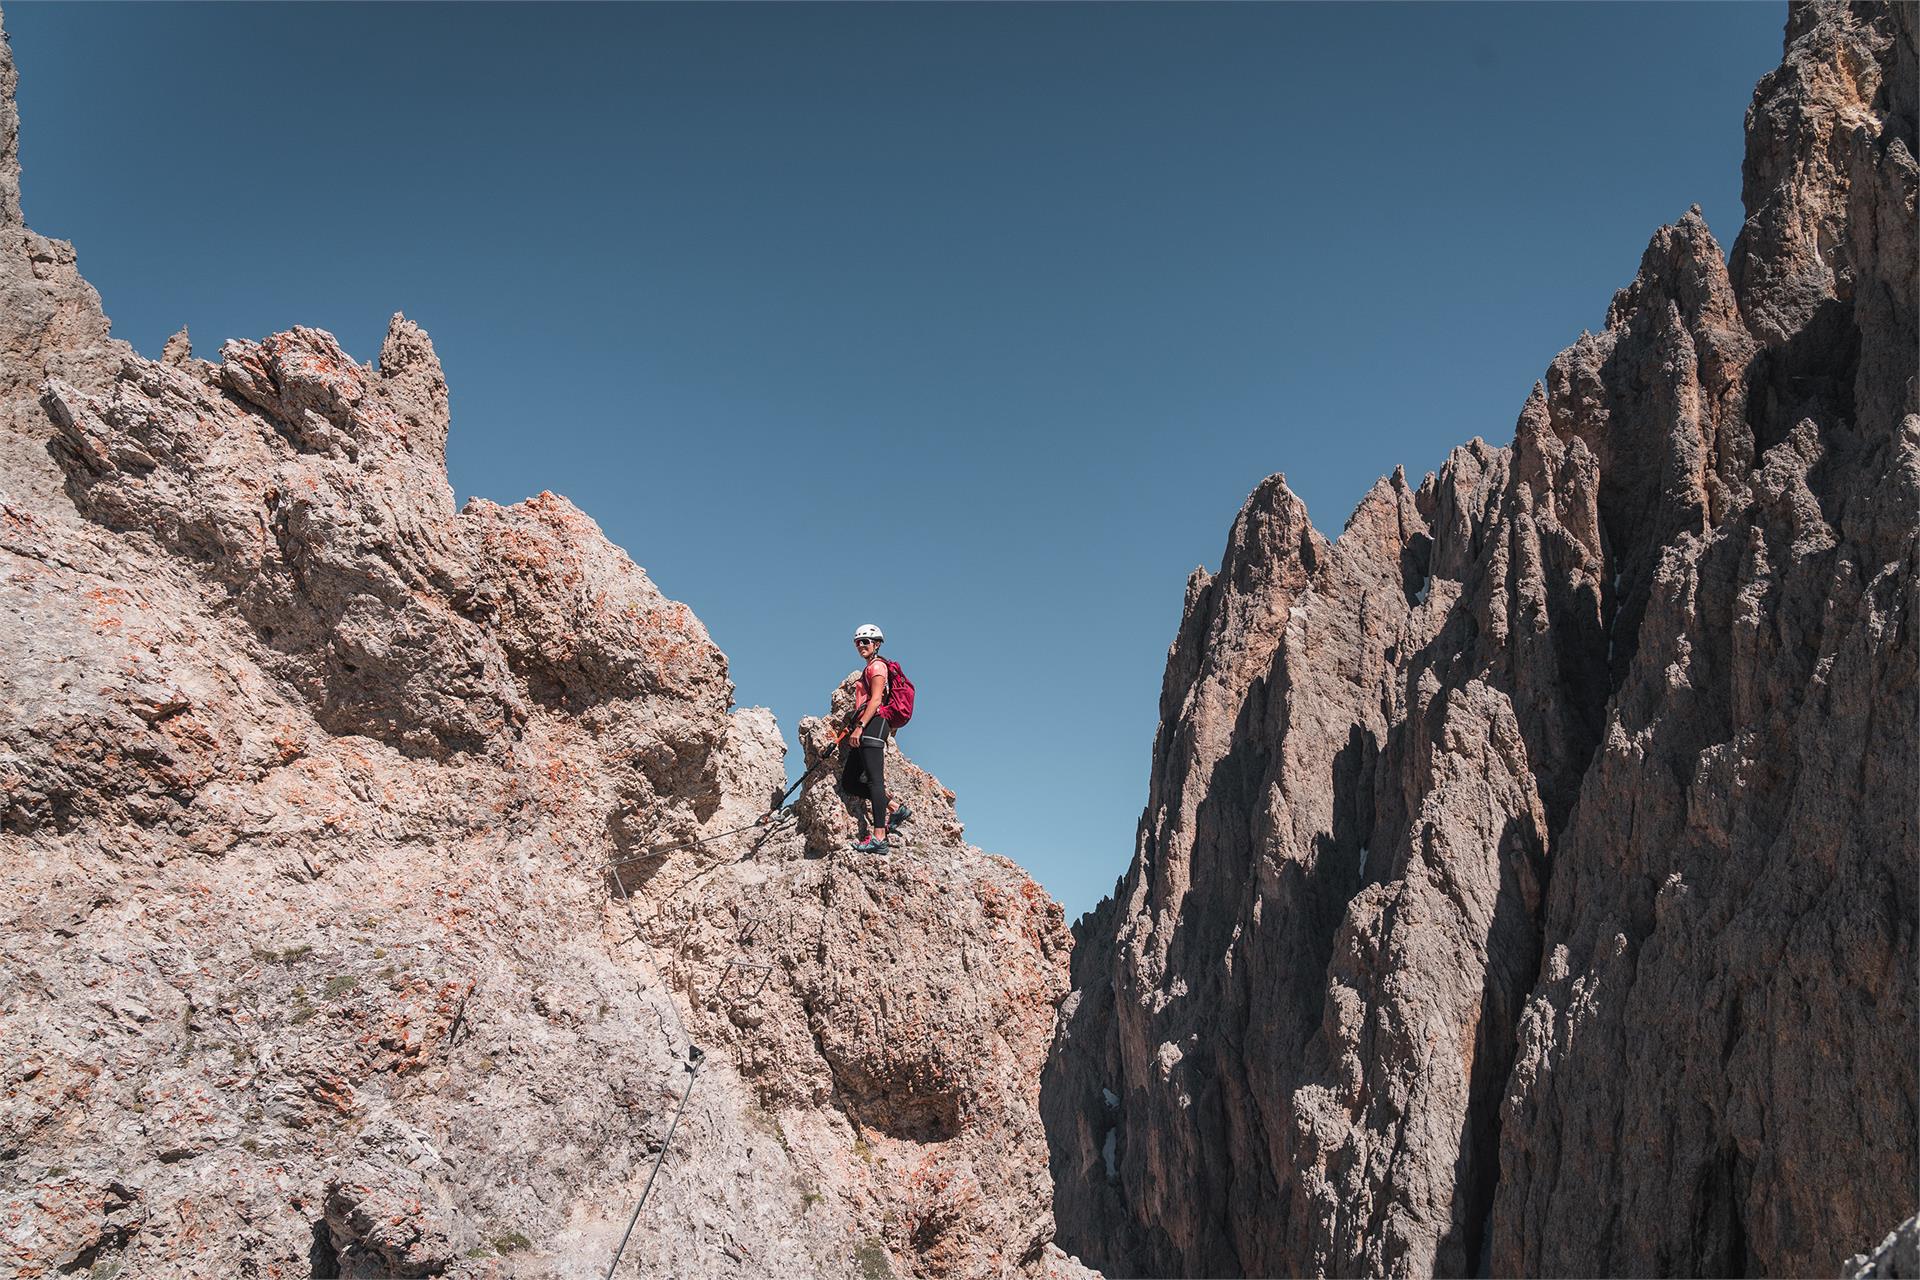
(1896, 1258)
(888, 1014)
(349, 923)
(1527, 878)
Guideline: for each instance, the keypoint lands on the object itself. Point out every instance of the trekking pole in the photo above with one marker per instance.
(838, 739)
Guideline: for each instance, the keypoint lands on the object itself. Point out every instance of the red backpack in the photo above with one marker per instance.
(898, 708)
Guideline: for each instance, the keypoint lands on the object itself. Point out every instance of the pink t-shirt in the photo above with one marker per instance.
(877, 666)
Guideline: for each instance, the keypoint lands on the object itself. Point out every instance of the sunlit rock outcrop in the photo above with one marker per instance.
(351, 925)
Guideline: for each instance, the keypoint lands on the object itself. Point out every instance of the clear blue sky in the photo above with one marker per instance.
(978, 322)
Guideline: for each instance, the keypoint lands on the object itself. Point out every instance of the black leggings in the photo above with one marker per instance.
(864, 773)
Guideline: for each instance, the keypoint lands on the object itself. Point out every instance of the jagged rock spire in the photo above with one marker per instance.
(9, 135)
(1452, 943)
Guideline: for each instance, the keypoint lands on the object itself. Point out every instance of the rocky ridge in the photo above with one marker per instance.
(1527, 879)
(332, 939)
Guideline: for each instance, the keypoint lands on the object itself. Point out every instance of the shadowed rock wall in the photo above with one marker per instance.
(1527, 877)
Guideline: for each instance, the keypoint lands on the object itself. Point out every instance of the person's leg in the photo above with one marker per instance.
(890, 817)
(853, 780)
(873, 753)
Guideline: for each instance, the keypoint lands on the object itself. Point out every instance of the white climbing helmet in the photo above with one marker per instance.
(867, 631)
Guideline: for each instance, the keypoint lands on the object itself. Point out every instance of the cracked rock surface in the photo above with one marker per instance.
(1527, 881)
(312, 960)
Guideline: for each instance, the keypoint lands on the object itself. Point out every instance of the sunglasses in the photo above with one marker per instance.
(863, 640)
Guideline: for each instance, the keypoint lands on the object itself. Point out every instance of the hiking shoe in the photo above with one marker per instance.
(900, 815)
(872, 844)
